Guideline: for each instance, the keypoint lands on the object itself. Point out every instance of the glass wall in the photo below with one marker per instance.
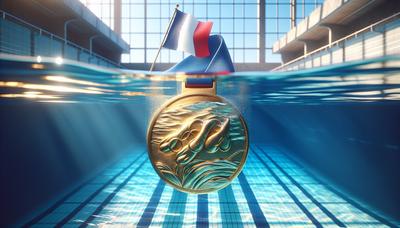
(143, 23)
(103, 9)
(277, 21)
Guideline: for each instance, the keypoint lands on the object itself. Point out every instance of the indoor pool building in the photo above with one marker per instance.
(200, 113)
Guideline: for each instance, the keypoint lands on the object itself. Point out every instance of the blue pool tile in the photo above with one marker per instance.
(273, 190)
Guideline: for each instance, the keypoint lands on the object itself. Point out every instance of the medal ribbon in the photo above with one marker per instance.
(199, 82)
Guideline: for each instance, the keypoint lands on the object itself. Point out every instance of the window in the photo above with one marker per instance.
(103, 9)
(143, 24)
(277, 21)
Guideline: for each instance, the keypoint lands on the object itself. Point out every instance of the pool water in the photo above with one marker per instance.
(273, 189)
(324, 148)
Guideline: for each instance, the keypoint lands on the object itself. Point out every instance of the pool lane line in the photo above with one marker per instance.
(98, 191)
(229, 207)
(304, 191)
(291, 194)
(148, 214)
(255, 209)
(346, 198)
(202, 211)
(176, 209)
(77, 189)
(105, 202)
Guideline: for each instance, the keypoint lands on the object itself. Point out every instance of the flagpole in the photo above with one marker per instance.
(165, 37)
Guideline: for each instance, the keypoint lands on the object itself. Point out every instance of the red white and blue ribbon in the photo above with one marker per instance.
(188, 35)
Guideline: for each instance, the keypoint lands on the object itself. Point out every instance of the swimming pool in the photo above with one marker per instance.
(324, 147)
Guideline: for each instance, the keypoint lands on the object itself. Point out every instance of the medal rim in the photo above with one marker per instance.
(170, 102)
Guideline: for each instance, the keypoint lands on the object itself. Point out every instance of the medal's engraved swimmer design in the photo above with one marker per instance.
(188, 142)
(200, 146)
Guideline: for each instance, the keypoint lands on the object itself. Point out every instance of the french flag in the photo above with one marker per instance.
(188, 35)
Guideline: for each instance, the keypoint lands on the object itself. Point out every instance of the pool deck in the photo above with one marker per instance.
(273, 190)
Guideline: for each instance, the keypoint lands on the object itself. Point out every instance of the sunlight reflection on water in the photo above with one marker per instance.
(366, 81)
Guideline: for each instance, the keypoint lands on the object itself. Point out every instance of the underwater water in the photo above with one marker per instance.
(324, 147)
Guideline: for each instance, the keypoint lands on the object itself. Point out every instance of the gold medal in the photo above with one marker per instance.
(198, 142)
